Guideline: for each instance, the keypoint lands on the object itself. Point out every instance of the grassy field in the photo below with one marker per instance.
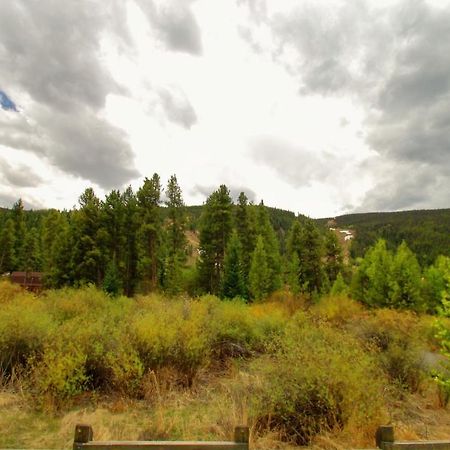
(323, 375)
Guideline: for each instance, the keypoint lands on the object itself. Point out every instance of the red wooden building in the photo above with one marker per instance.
(31, 281)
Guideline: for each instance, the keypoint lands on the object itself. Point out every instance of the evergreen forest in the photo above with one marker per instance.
(149, 240)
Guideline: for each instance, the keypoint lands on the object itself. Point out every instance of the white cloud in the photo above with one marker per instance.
(306, 105)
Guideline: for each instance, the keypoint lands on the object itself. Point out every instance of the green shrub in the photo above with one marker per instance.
(317, 379)
(65, 304)
(24, 328)
(57, 376)
(172, 335)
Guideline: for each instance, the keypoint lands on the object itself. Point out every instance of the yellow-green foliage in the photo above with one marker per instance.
(172, 333)
(188, 334)
(58, 375)
(72, 341)
(398, 337)
(316, 379)
(8, 291)
(25, 326)
(338, 310)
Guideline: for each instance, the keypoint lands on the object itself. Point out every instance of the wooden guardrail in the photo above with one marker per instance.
(385, 440)
(84, 436)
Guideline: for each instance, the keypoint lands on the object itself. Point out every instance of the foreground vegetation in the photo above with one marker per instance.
(194, 368)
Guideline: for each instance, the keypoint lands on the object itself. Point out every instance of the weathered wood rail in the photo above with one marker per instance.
(385, 440)
(84, 436)
(84, 440)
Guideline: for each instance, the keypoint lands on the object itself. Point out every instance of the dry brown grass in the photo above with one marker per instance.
(209, 411)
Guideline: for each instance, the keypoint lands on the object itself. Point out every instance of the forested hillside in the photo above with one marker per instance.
(427, 232)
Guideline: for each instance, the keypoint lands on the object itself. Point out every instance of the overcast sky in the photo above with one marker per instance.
(321, 107)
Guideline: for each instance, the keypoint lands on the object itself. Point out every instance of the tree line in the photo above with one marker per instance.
(133, 242)
(427, 232)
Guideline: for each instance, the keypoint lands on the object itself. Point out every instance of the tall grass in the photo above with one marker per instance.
(291, 369)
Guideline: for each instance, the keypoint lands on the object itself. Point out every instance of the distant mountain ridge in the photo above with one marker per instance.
(426, 231)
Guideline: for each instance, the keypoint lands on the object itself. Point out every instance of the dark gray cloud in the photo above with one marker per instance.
(420, 188)
(7, 200)
(19, 175)
(50, 51)
(411, 127)
(394, 62)
(177, 107)
(175, 24)
(235, 190)
(298, 166)
(92, 149)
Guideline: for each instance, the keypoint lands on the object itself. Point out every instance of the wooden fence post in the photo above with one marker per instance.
(83, 434)
(241, 435)
(384, 434)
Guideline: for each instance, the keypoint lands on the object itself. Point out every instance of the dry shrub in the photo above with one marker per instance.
(317, 379)
(397, 339)
(289, 301)
(338, 310)
(9, 291)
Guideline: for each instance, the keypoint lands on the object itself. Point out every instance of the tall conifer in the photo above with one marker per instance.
(215, 230)
(7, 247)
(259, 282)
(233, 278)
(271, 247)
(246, 232)
(150, 229)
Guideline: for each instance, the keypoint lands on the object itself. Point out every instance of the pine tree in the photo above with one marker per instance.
(215, 230)
(339, 286)
(150, 229)
(112, 234)
(32, 251)
(371, 283)
(258, 277)
(57, 239)
(233, 278)
(333, 256)
(18, 217)
(88, 260)
(271, 246)
(112, 283)
(130, 250)
(406, 280)
(173, 280)
(7, 247)
(294, 274)
(246, 232)
(304, 239)
(176, 212)
(435, 283)
(176, 242)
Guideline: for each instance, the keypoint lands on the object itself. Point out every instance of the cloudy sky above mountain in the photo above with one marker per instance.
(317, 106)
